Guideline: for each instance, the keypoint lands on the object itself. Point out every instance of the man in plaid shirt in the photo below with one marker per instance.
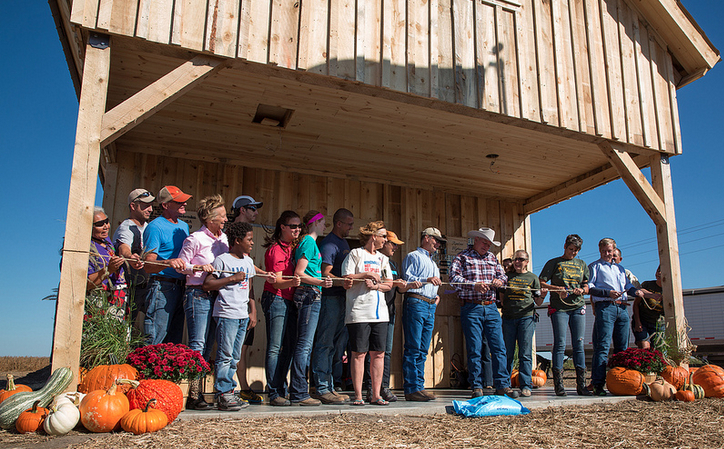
(476, 274)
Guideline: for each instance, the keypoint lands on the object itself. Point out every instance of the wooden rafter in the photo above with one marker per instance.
(154, 97)
(636, 181)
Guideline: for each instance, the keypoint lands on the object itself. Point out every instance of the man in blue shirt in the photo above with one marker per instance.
(334, 249)
(418, 312)
(610, 292)
(163, 238)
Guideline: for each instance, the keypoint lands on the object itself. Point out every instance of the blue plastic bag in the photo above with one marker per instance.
(489, 406)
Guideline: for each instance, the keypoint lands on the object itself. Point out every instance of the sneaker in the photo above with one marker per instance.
(251, 397)
(598, 390)
(388, 395)
(279, 402)
(525, 392)
(507, 392)
(477, 392)
(308, 401)
(328, 398)
(417, 396)
(228, 402)
(429, 394)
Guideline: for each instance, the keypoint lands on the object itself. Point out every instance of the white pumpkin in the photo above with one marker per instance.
(69, 398)
(61, 419)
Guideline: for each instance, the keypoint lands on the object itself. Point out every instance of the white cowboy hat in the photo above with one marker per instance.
(486, 233)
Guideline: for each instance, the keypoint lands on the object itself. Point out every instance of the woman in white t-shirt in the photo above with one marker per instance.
(368, 276)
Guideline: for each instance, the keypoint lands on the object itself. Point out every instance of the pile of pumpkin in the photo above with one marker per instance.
(109, 398)
(538, 378)
(675, 382)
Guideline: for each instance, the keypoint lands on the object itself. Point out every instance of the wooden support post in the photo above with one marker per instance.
(658, 201)
(86, 155)
(669, 250)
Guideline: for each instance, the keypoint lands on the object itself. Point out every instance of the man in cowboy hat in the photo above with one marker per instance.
(418, 312)
(163, 238)
(476, 273)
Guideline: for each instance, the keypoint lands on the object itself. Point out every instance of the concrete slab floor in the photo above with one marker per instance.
(541, 398)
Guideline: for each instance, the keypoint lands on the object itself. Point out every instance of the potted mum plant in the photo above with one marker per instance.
(649, 362)
(169, 361)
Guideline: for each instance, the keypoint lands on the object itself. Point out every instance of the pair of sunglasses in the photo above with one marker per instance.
(100, 224)
(293, 226)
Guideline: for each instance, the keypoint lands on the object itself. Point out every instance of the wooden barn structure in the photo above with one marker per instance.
(446, 113)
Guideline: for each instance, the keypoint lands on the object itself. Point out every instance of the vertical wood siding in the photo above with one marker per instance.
(592, 66)
(407, 211)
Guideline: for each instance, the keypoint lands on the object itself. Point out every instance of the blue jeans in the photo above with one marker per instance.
(308, 301)
(612, 321)
(329, 330)
(418, 321)
(486, 362)
(575, 320)
(280, 316)
(520, 330)
(230, 334)
(476, 320)
(164, 312)
(201, 327)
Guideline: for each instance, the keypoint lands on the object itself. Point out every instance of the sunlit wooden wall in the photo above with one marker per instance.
(592, 66)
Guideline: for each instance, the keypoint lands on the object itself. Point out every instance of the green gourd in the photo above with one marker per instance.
(12, 407)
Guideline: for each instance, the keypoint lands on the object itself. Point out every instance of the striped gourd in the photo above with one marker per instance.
(12, 407)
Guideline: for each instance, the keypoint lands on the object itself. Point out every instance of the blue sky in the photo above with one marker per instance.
(38, 115)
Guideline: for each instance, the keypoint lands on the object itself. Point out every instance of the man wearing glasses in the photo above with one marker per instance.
(244, 209)
(163, 239)
(334, 249)
(418, 312)
(128, 241)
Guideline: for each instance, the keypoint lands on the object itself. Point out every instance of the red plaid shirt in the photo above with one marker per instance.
(470, 267)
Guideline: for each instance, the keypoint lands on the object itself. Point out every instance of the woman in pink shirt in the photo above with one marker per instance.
(198, 251)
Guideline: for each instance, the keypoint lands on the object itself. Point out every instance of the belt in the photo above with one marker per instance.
(420, 297)
(177, 281)
(618, 302)
(480, 301)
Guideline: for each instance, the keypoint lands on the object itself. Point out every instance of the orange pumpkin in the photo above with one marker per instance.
(540, 373)
(168, 395)
(537, 381)
(676, 376)
(103, 376)
(711, 379)
(11, 388)
(692, 369)
(101, 411)
(32, 419)
(514, 381)
(685, 396)
(624, 382)
(144, 420)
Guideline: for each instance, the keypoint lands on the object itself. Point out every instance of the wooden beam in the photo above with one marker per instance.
(156, 96)
(86, 156)
(669, 250)
(636, 181)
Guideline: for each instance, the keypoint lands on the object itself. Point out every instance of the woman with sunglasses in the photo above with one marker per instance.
(105, 268)
(308, 301)
(519, 317)
(280, 314)
(368, 276)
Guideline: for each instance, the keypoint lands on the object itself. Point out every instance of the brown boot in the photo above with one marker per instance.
(581, 383)
(196, 398)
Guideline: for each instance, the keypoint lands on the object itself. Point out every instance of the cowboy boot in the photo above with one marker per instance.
(581, 388)
(196, 398)
(558, 382)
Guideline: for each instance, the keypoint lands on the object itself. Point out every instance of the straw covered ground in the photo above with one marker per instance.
(630, 424)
